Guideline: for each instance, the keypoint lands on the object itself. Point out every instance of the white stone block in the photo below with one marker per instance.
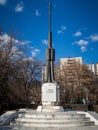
(50, 93)
(39, 108)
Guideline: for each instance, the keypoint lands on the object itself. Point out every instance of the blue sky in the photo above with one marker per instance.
(74, 26)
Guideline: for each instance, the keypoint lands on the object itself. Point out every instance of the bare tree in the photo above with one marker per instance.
(30, 72)
(76, 83)
(10, 54)
(17, 73)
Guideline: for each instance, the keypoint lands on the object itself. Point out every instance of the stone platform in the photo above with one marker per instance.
(28, 119)
(34, 119)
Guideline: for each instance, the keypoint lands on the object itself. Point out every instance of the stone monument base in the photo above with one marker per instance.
(50, 98)
(50, 93)
(49, 108)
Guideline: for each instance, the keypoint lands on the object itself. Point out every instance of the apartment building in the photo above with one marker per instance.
(93, 68)
(69, 65)
(70, 61)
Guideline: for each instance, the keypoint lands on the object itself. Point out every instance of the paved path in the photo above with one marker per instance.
(67, 128)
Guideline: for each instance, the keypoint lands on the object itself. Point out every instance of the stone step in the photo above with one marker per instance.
(51, 116)
(60, 118)
(48, 113)
(45, 125)
(51, 121)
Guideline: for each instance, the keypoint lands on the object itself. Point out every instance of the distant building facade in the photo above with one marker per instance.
(93, 68)
(44, 73)
(63, 62)
(70, 61)
(70, 66)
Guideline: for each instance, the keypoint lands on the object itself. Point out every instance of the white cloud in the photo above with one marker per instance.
(44, 41)
(62, 30)
(94, 38)
(19, 7)
(35, 52)
(63, 27)
(14, 49)
(3, 2)
(77, 34)
(82, 42)
(25, 42)
(5, 43)
(5, 38)
(15, 54)
(83, 48)
(28, 59)
(37, 12)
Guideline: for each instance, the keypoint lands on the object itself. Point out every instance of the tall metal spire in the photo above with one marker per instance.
(49, 17)
(50, 33)
(50, 53)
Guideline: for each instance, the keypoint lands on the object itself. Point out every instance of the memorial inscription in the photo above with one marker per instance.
(49, 92)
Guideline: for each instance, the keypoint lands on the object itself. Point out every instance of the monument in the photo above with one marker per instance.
(49, 115)
(50, 89)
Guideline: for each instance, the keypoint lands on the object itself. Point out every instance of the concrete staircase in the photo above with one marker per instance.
(51, 120)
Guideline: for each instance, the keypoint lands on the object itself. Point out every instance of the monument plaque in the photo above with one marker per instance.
(49, 92)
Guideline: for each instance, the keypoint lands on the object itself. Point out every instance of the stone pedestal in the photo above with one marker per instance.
(50, 98)
(50, 93)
